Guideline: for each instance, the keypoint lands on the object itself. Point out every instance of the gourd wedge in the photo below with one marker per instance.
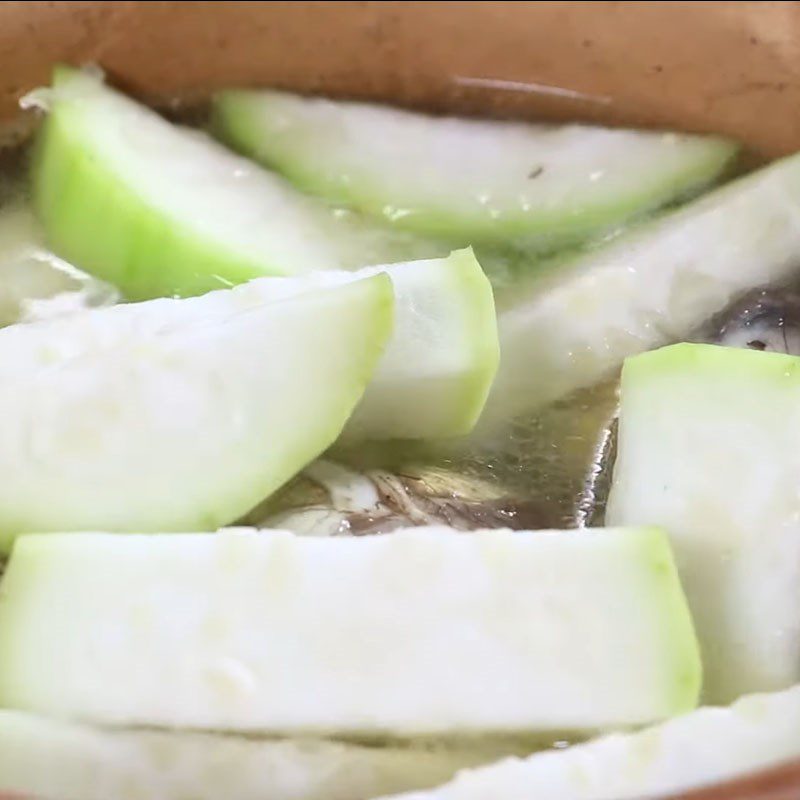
(473, 180)
(423, 631)
(709, 447)
(157, 209)
(178, 414)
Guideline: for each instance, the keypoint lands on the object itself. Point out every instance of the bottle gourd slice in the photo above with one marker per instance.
(706, 746)
(178, 414)
(425, 631)
(474, 180)
(47, 758)
(157, 209)
(576, 322)
(709, 447)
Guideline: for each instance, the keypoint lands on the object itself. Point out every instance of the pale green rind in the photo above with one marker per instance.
(709, 448)
(706, 360)
(157, 209)
(426, 631)
(472, 180)
(46, 758)
(467, 276)
(93, 219)
(697, 749)
(574, 324)
(675, 620)
(178, 414)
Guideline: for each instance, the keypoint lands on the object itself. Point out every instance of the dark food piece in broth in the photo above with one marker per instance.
(427, 498)
(421, 495)
(766, 319)
(542, 472)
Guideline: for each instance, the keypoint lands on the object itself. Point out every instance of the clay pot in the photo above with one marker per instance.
(724, 67)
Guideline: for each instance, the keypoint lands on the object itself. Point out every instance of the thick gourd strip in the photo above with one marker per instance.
(157, 209)
(709, 447)
(178, 414)
(475, 180)
(706, 746)
(578, 321)
(425, 631)
(47, 758)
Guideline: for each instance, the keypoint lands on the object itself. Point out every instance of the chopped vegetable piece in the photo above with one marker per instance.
(703, 747)
(438, 368)
(475, 180)
(157, 209)
(178, 414)
(709, 447)
(425, 631)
